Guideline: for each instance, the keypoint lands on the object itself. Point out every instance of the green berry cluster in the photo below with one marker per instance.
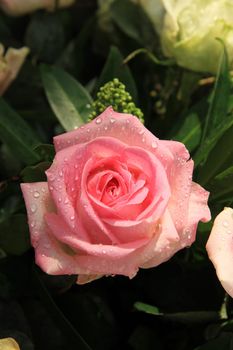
(114, 94)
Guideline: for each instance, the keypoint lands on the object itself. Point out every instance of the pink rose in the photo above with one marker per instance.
(219, 248)
(117, 198)
(22, 7)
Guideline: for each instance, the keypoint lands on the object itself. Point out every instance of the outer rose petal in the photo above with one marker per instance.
(197, 211)
(49, 254)
(220, 248)
(122, 126)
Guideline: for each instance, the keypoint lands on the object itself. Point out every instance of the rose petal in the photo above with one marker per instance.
(49, 255)
(61, 231)
(220, 248)
(121, 126)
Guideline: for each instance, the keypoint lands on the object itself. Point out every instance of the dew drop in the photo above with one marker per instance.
(104, 251)
(66, 201)
(51, 188)
(141, 132)
(36, 194)
(72, 218)
(60, 173)
(59, 199)
(105, 128)
(76, 166)
(33, 224)
(98, 121)
(33, 208)
(225, 223)
(88, 130)
(154, 145)
(112, 120)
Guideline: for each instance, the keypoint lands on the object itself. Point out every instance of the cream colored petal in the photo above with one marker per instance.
(8, 344)
(10, 66)
(220, 248)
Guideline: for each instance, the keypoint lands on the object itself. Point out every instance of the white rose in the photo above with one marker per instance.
(189, 30)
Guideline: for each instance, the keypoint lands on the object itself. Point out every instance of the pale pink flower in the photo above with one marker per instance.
(220, 248)
(117, 199)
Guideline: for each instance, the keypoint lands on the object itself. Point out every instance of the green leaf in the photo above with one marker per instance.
(190, 131)
(148, 309)
(191, 317)
(45, 151)
(115, 68)
(73, 336)
(35, 173)
(218, 153)
(144, 338)
(210, 142)
(17, 134)
(133, 21)
(45, 36)
(219, 99)
(222, 184)
(223, 342)
(14, 235)
(68, 99)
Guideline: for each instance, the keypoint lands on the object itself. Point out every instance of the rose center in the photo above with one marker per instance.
(112, 188)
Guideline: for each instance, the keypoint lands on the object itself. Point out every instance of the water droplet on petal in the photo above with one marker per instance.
(66, 201)
(33, 224)
(154, 144)
(225, 223)
(33, 208)
(36, 194)
(72, 218)
(60, 173)
(98, 120)
(112, 120)
(51, 188)
(59, 199)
